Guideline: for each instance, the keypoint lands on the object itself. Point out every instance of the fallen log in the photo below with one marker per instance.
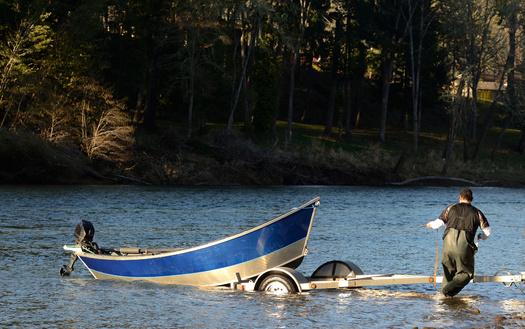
(427, 179)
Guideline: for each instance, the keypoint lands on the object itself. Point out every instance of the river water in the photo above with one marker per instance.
(372, 227)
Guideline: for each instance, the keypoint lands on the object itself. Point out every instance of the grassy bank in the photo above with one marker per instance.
(396, 159)
(219, 157)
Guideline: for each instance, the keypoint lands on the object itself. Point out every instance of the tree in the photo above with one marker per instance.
(335, 61)
(467, 29)
(247, 49)
(512, 17)
(137, 32)
(454, 98)
(391, 38)
(20, 59)
(418, 20)
(50, 62)
(105, 130)
(294, 44)
(191, 34)
(266, 90)
(357, 32)
(508, 13)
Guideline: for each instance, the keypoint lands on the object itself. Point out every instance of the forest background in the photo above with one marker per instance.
(209, 92)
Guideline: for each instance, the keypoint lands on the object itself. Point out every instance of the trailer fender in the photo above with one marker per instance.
(295, 277)
(336, 269)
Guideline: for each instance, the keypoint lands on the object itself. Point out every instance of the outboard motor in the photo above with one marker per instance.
(84, 232)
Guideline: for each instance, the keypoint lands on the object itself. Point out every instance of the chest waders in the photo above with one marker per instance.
(457, 259)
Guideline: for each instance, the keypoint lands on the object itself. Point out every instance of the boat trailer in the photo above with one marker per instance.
(344, 274)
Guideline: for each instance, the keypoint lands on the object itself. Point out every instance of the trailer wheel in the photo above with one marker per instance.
(278, 284)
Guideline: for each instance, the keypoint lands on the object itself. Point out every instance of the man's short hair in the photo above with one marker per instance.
(466, 194)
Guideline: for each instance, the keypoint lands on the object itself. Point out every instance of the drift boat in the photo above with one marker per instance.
(280, 242)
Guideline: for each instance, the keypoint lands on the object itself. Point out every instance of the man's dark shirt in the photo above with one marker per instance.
(464, 217)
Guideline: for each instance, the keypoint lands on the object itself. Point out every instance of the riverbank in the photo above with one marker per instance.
(226, 158)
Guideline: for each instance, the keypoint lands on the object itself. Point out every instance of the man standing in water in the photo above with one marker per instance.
(457, 258)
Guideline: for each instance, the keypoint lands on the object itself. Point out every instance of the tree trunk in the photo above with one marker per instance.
(242, 81)
(331, 108)
(521, 144)
(305, 12)
(333, 89)
(416, 66)
(248, 104)
(452, 132)
(150, 111)
(190, 107)
(288, 134)
(490, 113)
(388, 66)
(348, 108)
(470, 119)
(500, 136)
(466, 139)
(192, 72)
(139, 107)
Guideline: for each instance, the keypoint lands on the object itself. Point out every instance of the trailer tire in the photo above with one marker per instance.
(278, 283)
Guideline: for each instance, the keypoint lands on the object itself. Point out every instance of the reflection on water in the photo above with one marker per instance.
(353, 223)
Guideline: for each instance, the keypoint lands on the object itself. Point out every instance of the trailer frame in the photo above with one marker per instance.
(346, 275)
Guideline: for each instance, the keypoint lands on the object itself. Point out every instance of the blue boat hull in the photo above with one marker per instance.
(279, 242)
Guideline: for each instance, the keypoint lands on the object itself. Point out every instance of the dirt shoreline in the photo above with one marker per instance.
(281, 177)
(227, 159)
